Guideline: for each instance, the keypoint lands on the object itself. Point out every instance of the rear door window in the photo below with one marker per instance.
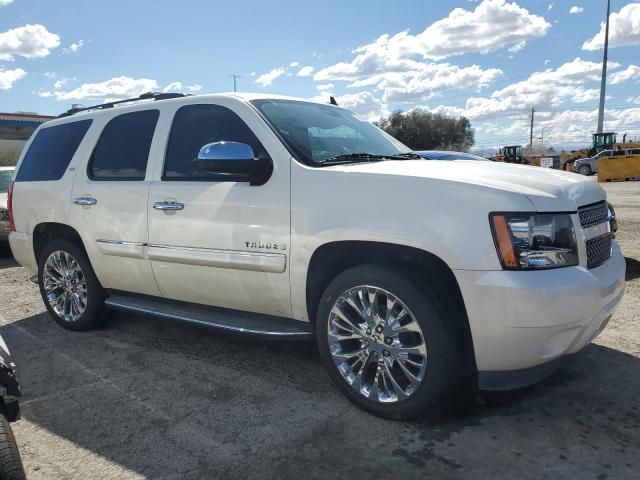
(122, 152)
(51, 151)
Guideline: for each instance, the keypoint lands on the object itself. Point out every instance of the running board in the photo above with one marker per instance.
(214, 317)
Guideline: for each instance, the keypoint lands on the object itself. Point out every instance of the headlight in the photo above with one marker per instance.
(534, 241)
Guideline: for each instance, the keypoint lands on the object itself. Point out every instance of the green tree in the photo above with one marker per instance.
(423, 130)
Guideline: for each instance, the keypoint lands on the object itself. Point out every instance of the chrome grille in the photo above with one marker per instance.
(593, 214)
(598, 250)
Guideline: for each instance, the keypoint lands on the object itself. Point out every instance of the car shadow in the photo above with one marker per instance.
(633, 268)
(169, 400)
(6, 260)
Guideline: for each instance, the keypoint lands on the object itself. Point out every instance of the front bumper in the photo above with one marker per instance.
(521, 320)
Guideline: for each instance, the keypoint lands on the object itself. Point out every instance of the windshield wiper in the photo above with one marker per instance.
(366, 157)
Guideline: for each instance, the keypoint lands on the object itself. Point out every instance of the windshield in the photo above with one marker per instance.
(5, 180)
(316, 133)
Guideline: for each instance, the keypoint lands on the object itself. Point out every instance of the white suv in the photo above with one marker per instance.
(282, 217)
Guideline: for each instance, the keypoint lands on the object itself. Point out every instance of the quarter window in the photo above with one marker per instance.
(123, 149)
(193, 127)
(51, 152)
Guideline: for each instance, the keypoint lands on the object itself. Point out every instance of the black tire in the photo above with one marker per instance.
(584, 170)
(444, 348)
(10, 462)
(95, 313)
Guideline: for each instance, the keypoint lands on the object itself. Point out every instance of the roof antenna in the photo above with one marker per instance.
(332, 101)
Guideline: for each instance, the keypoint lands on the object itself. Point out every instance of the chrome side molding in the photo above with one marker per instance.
(267, 262)
(209, 257)
(121, 248)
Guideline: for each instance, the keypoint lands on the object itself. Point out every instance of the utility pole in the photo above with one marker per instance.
(235, 77)
(533, 111)
(603, 85)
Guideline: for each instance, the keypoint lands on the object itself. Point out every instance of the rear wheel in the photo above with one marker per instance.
(69, 287)
(386, 343)
(584, 170)
(10, 461)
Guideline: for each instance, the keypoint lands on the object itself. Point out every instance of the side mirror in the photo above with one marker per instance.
(234, 162)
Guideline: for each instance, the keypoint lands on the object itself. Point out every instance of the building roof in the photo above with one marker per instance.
(25, 117)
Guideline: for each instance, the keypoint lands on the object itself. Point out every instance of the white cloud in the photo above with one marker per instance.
(179, 87)
(632, 72)
(74, 47)
(325, 87)
(550, 7)
(624, 29)
(8, 78)
(294, 64)
(5, 2)
(431, 79)
(548, 88)
(113, 89)
(266, 79)
(494, 24)
(28, 41)
(117, 87)
(518, 46)
(51, 75)
(396, 63)
(446, 110)
(364, 104)
(305, 71)
(60, 83)
(634, 100)
(576, 9)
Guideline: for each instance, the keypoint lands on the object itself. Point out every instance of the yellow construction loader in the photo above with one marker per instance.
(515, 154)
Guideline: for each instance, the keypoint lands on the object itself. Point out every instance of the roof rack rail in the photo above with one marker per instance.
(144, 96)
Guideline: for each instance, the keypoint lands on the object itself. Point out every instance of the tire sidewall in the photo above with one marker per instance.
(11, 467)
(93, 314)
(442, 350)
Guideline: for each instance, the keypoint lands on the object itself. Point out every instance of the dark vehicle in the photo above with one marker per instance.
(446, 155)
(10, 462)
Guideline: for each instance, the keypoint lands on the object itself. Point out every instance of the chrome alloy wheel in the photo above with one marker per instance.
(377, 344)
(65, 286)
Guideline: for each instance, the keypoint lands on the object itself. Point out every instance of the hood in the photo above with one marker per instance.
(549, 190)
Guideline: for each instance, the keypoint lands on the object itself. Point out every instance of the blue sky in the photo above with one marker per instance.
(491, 60)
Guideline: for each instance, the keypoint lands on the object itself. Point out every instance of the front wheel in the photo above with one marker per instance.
(584, 170)
(386, 342)
(10, 461)
(69, 287)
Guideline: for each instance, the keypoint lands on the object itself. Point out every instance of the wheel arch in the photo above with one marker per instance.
(45, 232)
(332, 258)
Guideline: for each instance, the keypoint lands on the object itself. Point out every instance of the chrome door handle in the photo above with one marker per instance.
(168, 206)
(85, 201)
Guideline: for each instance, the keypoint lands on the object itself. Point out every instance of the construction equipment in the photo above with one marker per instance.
(509, 154)
(515, 154)
(601, 141)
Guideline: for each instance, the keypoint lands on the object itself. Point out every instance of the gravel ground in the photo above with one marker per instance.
(146, 398)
